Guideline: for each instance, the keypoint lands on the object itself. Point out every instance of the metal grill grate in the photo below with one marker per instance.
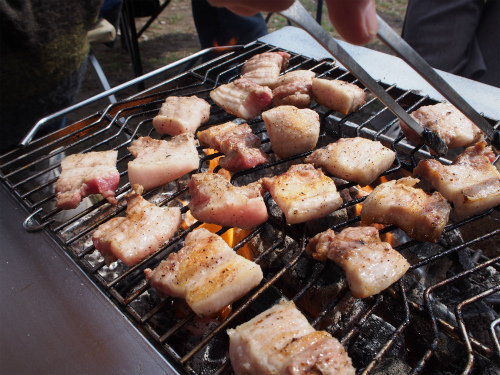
(442, 317)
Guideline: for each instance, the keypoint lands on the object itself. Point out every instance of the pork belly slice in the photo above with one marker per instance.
(280, 341)
(291, 130)
(471, 183)
(84, 174)
(341, 96)
(303, 193)
(140, 233)
(215, 200)
(264, 69)
(243, 98)
(371, 265)
(180, 114)
(420, 215)
(444, 119)
(294, 88)
(354, 159)
(238, 143)
(206, 272)
(159, 162)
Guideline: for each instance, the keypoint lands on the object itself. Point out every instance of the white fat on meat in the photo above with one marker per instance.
(158, 162)
(303, 193)
(420, 215)
(354, 159)
(444, 119)
(471, 183)
(370, 264)
(242, 98)
(264, 69)
(179, 114)
(341, 96)
(291, 130)
(238, 143)
(84, 174)
(140, 233)
(281, 341)
(206, 272)
(294, 88)
(215, 200)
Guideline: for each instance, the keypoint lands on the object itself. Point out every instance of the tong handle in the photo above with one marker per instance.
(413, 59)
(298, 14)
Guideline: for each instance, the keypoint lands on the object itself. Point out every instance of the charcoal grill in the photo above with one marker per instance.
(442, 317)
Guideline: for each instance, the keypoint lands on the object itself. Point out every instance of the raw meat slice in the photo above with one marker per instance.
(264, 69)
(206, 272)
(444, 119)
(354, 159)
(215, 200)
(422, 216)
(84, 174)
(471, 183)
(303, 193)
(280, 341)
(291, 130)
(341, 96)
(140, 233)
(370, 264)
(240, 146)
(159, 162)
(294, 88)
(243, 98)
(180, 114)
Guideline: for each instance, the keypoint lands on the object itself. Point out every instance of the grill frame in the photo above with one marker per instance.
(111, 114)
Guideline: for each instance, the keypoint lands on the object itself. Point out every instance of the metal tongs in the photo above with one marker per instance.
(299, 15)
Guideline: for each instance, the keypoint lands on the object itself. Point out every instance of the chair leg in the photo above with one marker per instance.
(129, 33)
(101, 77)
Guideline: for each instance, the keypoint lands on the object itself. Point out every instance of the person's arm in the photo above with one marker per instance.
(354, 20)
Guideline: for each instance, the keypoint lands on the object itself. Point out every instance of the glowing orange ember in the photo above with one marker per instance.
(224, 313)
(363, 192)
(232, 42)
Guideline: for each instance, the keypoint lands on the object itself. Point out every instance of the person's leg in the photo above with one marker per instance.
(220, 27)
(444, 33)
(488, 36)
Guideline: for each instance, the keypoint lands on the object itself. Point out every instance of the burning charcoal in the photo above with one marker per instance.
(490, 246)
(370, 340)
(345, 315)
(391, 366)
(213, 355)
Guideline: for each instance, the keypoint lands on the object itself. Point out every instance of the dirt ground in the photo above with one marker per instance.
(173, 36)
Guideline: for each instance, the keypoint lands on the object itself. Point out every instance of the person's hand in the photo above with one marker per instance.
(354, 20)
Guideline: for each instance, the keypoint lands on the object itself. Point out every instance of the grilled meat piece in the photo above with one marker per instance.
(159, 162)
(291, 130)
(354, 159)
(471, 183)
(294, 88)
(180, 114)
(341, 96)
(243, 98)
(240, 146)
(422, 216)
(370, 264)
(140, 233)
(264, 69)
(84, 174)
(206, 272)
(303, 193)
(280, 341)
(215, 200)
(444, 119)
